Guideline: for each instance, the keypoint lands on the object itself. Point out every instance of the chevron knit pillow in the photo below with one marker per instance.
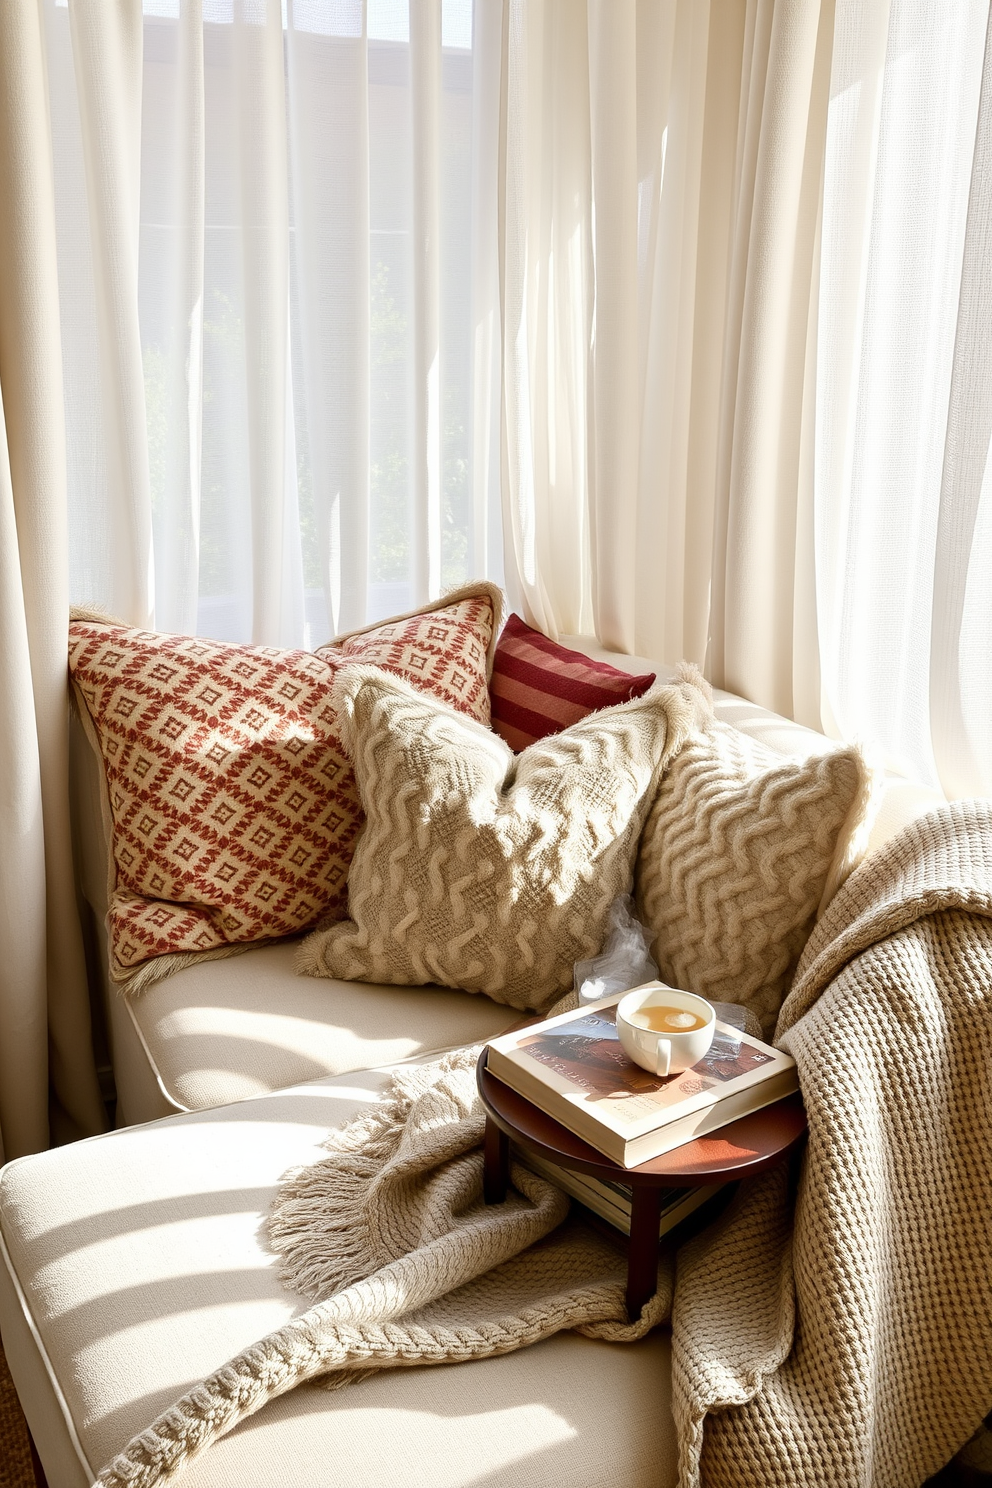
(741, 850)
(480, 869)
(231, 805)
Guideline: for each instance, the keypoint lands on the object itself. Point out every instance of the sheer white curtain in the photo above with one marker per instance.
(904, 389)
(277, 267)
(48, 1082)
(281, 302)
(662, 181)
(288, 230)
(620, 158)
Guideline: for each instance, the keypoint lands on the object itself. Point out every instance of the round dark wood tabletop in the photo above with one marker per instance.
(742, 1149)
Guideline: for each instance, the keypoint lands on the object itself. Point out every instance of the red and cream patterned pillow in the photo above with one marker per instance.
(446, 650)
(233, 807)
(539, 687)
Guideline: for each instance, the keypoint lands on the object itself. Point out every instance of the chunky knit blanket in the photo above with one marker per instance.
(840, 1341)
(852, 1340)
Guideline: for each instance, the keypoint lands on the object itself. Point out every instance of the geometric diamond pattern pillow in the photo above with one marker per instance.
(233, 806)
(447, 651)
(740, 851)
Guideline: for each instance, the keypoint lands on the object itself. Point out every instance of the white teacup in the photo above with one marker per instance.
(669, 1049)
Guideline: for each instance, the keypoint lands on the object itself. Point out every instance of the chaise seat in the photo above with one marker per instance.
(134, 1264)
(226, 1030)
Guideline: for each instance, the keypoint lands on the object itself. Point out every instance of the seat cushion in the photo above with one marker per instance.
(135, 1264)
(225, 1030)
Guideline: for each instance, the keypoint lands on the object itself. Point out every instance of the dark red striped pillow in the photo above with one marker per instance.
(538, 687)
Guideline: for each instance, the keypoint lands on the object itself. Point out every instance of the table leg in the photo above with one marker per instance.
(496, 1164)
(642, 1255)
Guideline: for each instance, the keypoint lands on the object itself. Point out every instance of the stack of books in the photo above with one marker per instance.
(611, 1201)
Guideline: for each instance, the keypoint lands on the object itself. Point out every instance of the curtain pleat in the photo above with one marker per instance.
(329, 134)
(180, 289)
(548, 300)
(107, 42)
(44, 1006)
(960, 659)
(614, 412)
(674, 58)
(23, 1008)
(757, 567)
(425, 98)
(484, 368)
(903, 503)
(263, 202)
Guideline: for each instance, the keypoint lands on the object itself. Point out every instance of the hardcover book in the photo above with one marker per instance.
(574, 1068)
(612, 1201)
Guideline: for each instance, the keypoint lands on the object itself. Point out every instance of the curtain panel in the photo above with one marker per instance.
(44, 1006)
(409, 294)
(903, 506)
(670, 311)
(361, 301)
(661, 192)
(277, 261)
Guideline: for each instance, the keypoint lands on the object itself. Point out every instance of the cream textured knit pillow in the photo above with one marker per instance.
(480, 869)
(740, 850)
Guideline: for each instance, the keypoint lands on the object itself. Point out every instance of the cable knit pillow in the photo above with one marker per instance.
(232, 806)
(483, 870)
(740, 849)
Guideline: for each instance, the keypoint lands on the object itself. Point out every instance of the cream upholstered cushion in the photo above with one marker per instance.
(739, 851)
(142, 1265)
(225, 1030)
(480, 869)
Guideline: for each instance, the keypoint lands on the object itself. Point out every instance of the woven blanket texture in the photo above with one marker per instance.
(389, 1235)
(853, 1338)
(842, 1342)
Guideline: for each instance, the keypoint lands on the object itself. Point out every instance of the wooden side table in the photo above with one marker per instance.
(741, 1150)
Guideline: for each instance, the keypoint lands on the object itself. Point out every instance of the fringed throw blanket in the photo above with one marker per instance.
(845, 1345)
(407, 1265)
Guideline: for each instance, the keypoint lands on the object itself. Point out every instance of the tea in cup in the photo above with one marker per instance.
(663, 1029)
